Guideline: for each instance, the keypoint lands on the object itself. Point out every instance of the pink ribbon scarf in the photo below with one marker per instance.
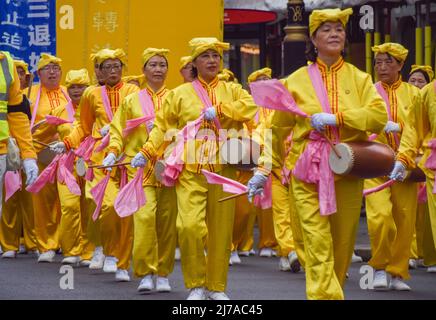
(97, 193)
(107, 107)
(38, 98)
(147, 106)
(13, 183)
(131, 197)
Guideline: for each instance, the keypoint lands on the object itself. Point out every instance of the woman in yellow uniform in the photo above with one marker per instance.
(186, 69)
(428, 122)
(70, 225)
(17, 212)
(199, 213)
(355, 109)
(419, 76)
(156, 221)
(46, 97)
(96, 110)
(391, 212)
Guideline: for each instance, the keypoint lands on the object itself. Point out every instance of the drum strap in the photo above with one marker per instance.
(321, 93)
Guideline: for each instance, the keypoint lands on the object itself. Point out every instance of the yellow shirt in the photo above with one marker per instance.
(93, 115)
(49, 100)
(234, 107)
(427, 123)
(358, 107)
(19, 124)
(405, 102)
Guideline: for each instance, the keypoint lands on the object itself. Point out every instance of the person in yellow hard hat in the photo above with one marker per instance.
(71, 238)
(45, 97)
(391, 212)
(14, 122)
(96, 111)
(200, 216)
(328, 224)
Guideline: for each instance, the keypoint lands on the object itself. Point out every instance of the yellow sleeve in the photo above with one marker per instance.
(422, 119)
(116, 128)
(83, 124)
(241, 109)
(15, 95)
(166, 119)
(410, 137)
(372, 117)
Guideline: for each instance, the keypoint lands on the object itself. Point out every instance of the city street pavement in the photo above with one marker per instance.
(257, 278)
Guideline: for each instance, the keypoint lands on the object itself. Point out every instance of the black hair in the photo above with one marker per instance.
(427, 78)
(194, 72)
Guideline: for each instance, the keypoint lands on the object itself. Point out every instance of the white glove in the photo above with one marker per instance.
(399, 171)
(138, 161)
(31, 169)
(105, 130)
(210, 113)
(58, 147)
(322, 119)
(392, 127)
(110, 159)
(255, 185)
(150, 125)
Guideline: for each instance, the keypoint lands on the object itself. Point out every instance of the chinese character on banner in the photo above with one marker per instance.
(28, 28)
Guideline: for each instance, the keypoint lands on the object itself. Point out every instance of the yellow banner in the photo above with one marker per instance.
(86, 26)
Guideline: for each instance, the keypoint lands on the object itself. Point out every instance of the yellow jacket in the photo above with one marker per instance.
(92, 115)
(130, 145)
(49, 100)
(427, 123)
(62, 130)
(405, 102)
(234, 107)
(358, 107)
(19, 125)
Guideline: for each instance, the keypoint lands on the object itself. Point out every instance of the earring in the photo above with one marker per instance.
(316, 50)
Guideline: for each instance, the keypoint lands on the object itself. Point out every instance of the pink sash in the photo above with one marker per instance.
(48, 175)
(56, 121)
(107, 107)
(385, 97)
(132, 197)
(65, 173)
(97, 193)
(147, 106)
(313, 164)
(13, 183)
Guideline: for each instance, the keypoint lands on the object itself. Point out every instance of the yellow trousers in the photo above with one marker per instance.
(70, 228)
(85, 215)
(17, 217)
(166, 229)
(328, 240)
(429, 238)
(92, 227)
(200, 215)
(416, 248)
(47, 213)
(391, 215)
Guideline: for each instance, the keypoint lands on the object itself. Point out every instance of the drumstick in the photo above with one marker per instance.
(331, 145)
(99, 166)
(41, 143)
(233, 196)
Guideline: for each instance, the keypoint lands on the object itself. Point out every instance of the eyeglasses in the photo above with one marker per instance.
(54, 68)
(115, 67)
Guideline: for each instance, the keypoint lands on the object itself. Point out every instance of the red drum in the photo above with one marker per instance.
(242, 153)
(81, 167)
(416, 175)
(362, 159)
(159, 168)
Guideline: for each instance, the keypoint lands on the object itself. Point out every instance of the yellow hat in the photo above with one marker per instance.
(184, 61)
(396, 50)
(427, 69)
(47, 59)
(200, 45)
(22, 64)
(318, 17)
(151, 52)
(140, 78)
(227, 75)
(105, 54)
(80, 76)
(262, 72)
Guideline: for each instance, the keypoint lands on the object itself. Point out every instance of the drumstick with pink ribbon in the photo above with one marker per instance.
(378, 188)
(99, 166)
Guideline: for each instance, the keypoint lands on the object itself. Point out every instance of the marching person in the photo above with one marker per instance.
(14, 121)
(96, 109)
(186, 69)
(154, 223)
(70, 225)
(391, 212)
(351, 107)
(213, 104)
(45, 97)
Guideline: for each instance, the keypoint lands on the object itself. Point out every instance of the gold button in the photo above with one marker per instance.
(347, 91)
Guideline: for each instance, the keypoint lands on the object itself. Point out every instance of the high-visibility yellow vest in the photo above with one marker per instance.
(6, 78)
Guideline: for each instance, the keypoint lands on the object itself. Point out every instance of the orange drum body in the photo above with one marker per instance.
(362, 159)
(416, 175)
(46, 156)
